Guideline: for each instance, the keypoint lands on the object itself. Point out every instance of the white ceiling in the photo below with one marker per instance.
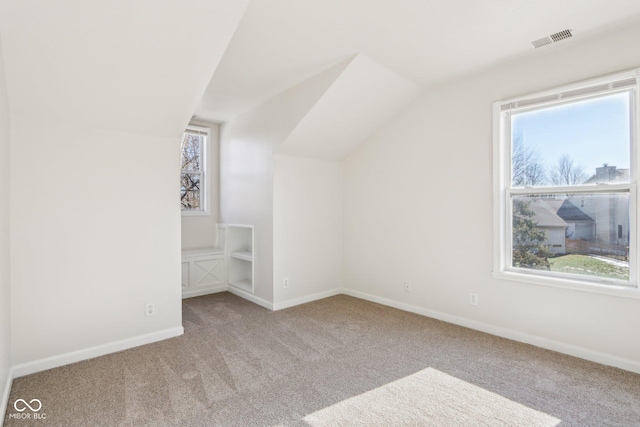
(357, 102)
(135, 65)
(280, 43)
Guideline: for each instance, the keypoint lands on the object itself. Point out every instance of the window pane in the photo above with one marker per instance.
(583, 234)
(582, 142)
(190, 200)
(191, 152)
(190, 191)
(189, 182)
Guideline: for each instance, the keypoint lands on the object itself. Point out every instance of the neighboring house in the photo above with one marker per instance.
(610, 212)
(608, 174)
(548, 220)
(602, 219)
(579, 224)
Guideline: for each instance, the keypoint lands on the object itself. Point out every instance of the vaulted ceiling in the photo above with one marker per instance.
(131, 65)
(147, 66)
(280, 43)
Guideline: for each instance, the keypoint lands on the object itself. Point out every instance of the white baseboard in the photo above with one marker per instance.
(204, 291)
(5, 395)
(254, 299)
(89, 353)
(580, 352)
(303, 300)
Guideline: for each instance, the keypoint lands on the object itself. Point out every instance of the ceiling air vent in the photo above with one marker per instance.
(555, 37)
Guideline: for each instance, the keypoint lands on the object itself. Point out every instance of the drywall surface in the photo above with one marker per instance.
(5, 259)
(131, 66)
(246, 196)
(94, 164)
(307, 217)
(418, 207)
(199, 231)
(95, 236)
(247, 146)
(361, 98)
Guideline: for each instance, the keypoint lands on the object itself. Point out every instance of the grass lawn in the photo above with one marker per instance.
(584, 264)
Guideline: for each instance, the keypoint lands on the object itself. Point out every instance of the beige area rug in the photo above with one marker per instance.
(429, 397)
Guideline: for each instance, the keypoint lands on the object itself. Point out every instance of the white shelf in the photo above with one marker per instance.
(243, 255)
(203, 252)
(244, 285)
(240, 257)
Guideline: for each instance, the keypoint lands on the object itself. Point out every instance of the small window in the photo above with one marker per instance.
(565, 182)
(193, 150)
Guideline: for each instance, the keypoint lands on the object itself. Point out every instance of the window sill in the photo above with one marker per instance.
(575, 285)
(195, 213)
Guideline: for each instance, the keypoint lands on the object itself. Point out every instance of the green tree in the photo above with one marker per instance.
(528, 248)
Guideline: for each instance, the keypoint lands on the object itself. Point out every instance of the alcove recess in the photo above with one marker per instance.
(240, 257)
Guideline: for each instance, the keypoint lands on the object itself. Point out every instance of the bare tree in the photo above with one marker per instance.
(191, 171)
(526, 165)
(567, 172)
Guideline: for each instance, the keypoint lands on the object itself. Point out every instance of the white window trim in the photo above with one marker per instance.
(502, 191)
(204, 179)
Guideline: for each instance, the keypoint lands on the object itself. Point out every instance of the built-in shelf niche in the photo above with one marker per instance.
(240, 257)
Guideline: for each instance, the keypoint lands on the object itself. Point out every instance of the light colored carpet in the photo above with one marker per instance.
(429, 397)
(340, 361)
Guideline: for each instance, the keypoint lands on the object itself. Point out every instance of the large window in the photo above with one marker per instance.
(193, 195)
(565, 186)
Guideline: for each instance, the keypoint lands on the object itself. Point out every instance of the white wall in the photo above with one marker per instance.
(95, 236)
(95, 231)
(353, 107)
(247, 145)
(307, 216)
(124, 65)
(418, 207)
(5, 289)
(246, 195)
(199, 231)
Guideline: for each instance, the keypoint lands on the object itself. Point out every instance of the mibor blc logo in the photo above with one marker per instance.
(28, 410)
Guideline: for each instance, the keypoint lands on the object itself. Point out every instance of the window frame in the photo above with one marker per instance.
(504, 191)
(204, 185)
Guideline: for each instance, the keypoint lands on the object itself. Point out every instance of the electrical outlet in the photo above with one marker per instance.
(407, 286)
(285, 282)
(473, 299)
(149, 309)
